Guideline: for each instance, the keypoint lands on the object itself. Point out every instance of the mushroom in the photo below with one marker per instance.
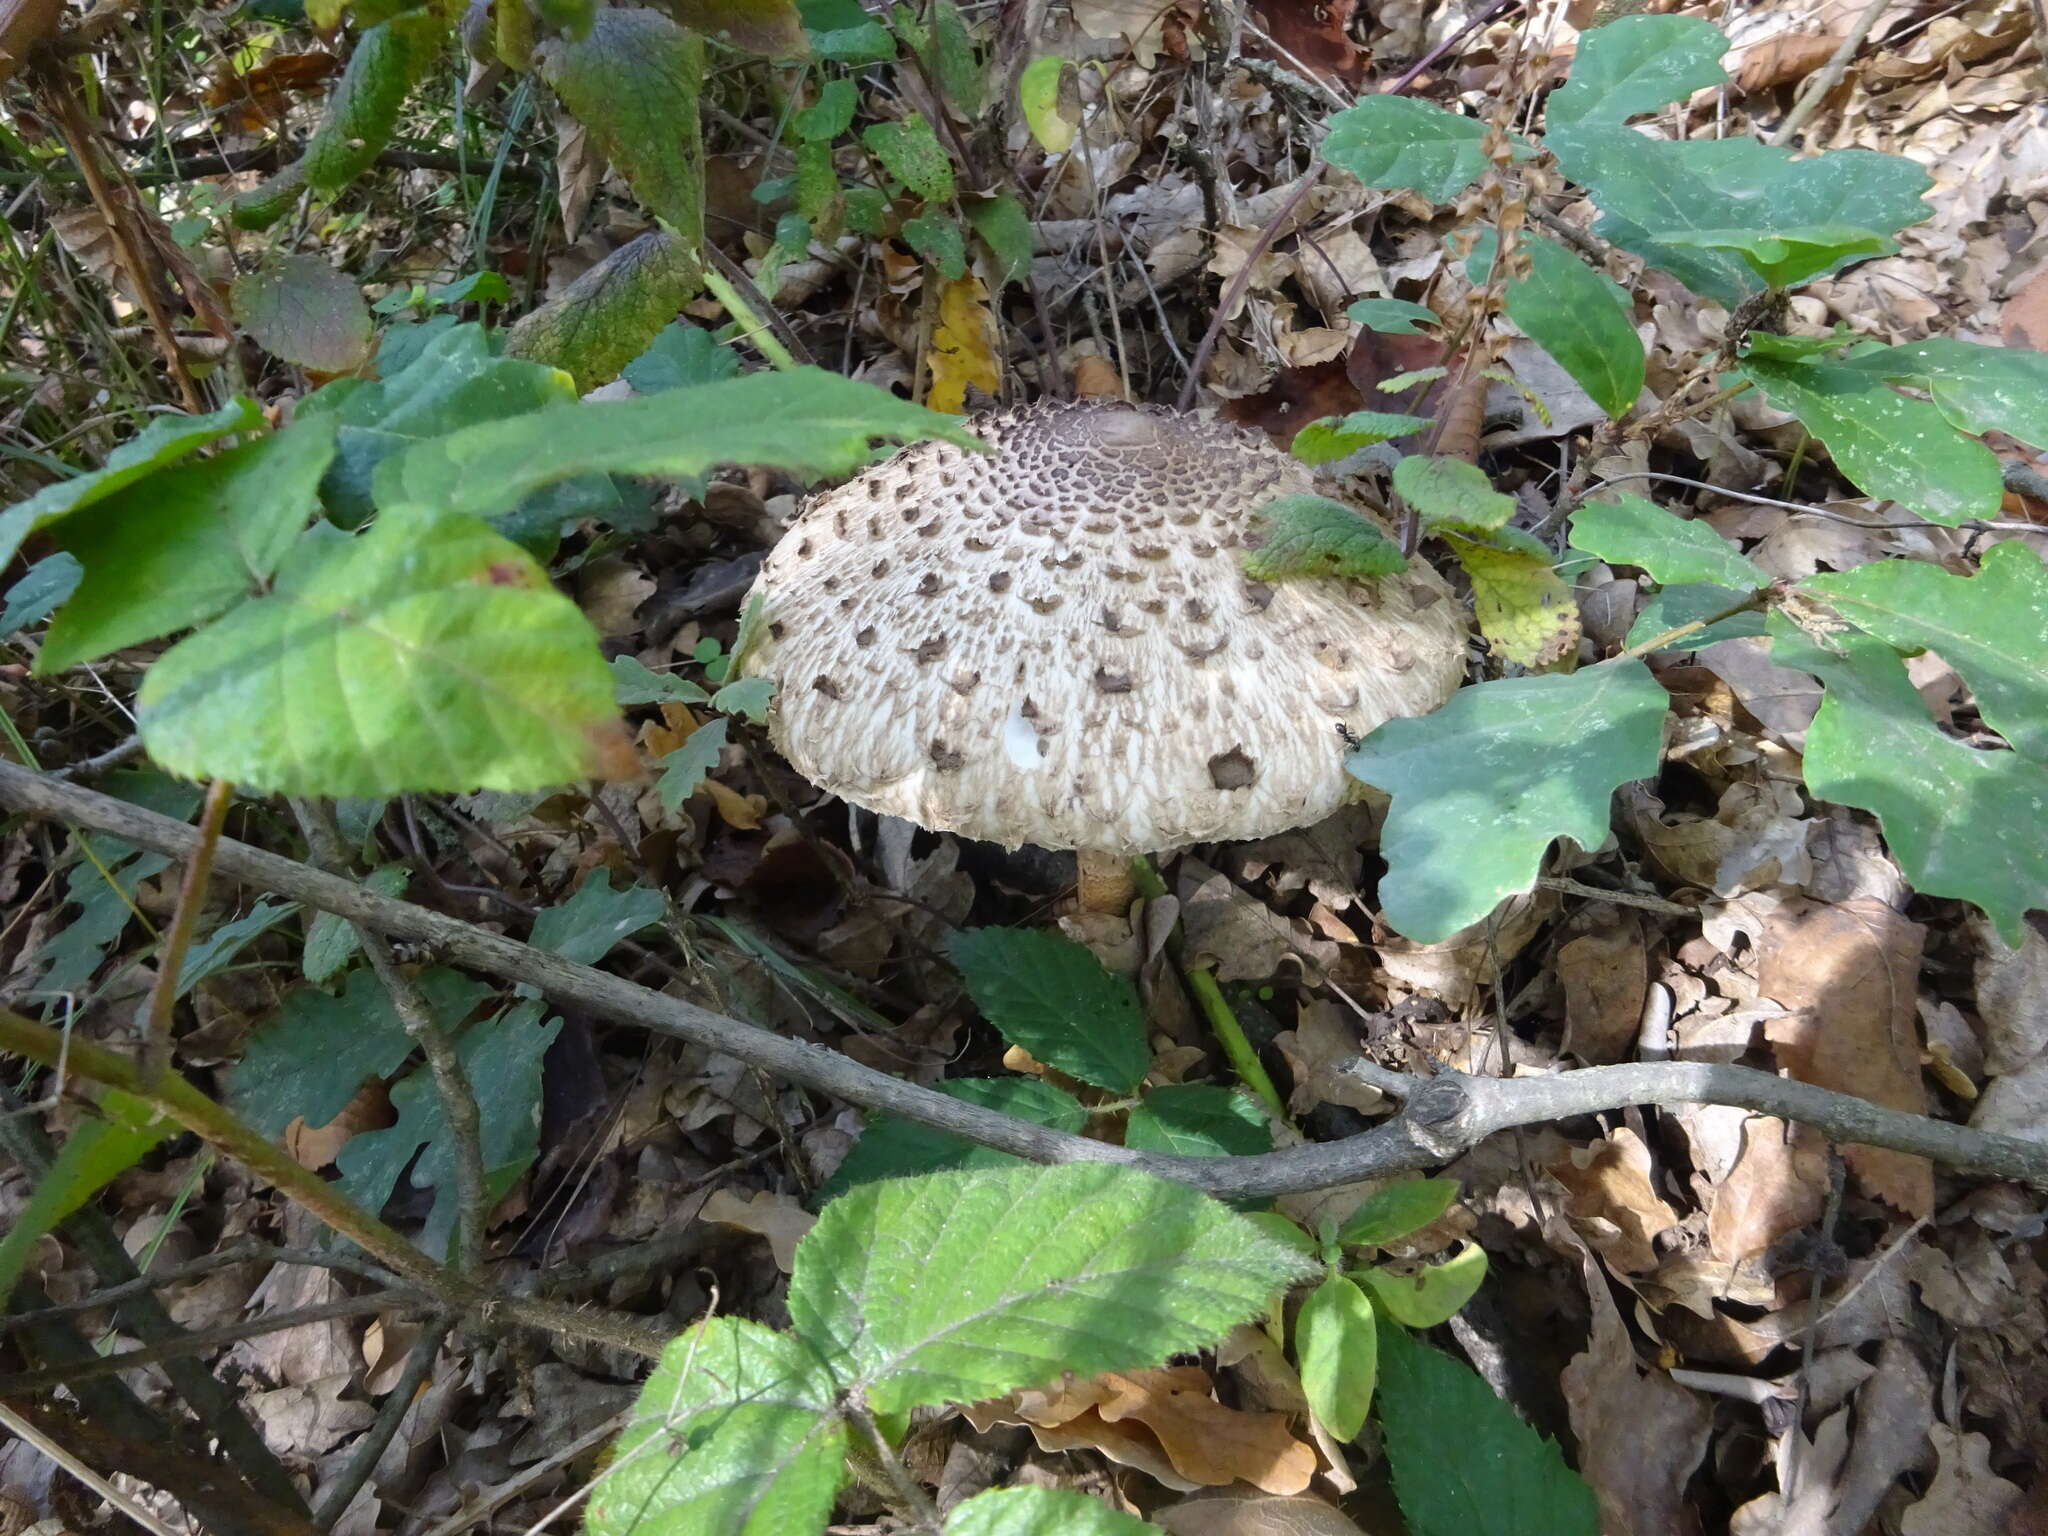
(1055, 642)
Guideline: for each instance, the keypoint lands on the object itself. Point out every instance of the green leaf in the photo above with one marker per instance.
(1392, 1213)
(1631, 530)
(363, 107)
(308, 1060)
(1786, 257)
(1573, 313)
(613, 312)
(598, 917)
(910, 152)
(737, 1432)
(271, 198)
(1041, 1512)
(844, 33)
(1978, 388)
(1198, 1120)
(1337, 437)
(1005, 228)
(332, 940)
(1052, 997)
(946, 50)
(1636, 65)
(1885, 443)
(1992, 628)
(1449, 493)
(961, 1286)
(1483, 787)
(1677, 606)
(41, 589)
(1949, 811)
(682, 356)
(163, 442)
(1399, 142)
(1524, 608)
(1336, 1348)
(748, 696)
(830, 115)
(890, 1148)
(1303, 535)
(1392, 317)
(214, 953)
(98, 1151)
(634, 683)
(423, 655)
(633, 82)
(1048, 89)
(684, 769)
(301, 310)
(808, 421)
(937, 238)
(186, 544)
(1428, 1294)
(1463, 1464)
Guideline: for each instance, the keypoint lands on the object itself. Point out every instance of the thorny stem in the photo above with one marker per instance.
(756, 329)
(170, 958)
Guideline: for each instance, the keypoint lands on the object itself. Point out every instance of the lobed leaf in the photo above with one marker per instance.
(1675, 607)
(597, 918)
(1392, 317)
(1978, 388)
(681, 356)
(1525, 611)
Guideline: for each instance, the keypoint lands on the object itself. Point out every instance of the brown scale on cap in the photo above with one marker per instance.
(1054, 642)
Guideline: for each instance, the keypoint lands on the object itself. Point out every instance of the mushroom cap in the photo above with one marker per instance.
(1056, 643)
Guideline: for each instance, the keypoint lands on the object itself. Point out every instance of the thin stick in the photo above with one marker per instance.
(123, 1502)
(370, 1450)
(170, 956)
(1816, 90)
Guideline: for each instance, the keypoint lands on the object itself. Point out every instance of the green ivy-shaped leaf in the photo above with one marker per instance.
(1392, 317)
(684, 769)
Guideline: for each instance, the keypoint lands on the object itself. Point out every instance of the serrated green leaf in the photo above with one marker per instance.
(946, 50)
(1483, 787)
(1051, 996)
(890, 1148)
(99, 1149)
(961, 1286)
(1949, 811)
(1392, 317)
(1392, 1213)
(1675, 607)
(937, 238)
(1336, 1349)
(1574, 314)
(363, 107)
(424, 655)
(910, 152)
(45, 585)
(187, 544)
(633, 82)
(830, 115)
(1978, 388)
(1399, 142)
(1785, 258)
(736, 1432)
(1005, 228)
(1632, 530)
(685, 768)
(681, 356)
(613, 312)
(1048, 90)
(1886, 444)
(1312, 536)
(1337, 437)
(1198, 1120)
(1042, 1512)
(596, 918)
(1424, 1295)
(332, 940)
(808, 421)
(300, 309)
(1526, 612)
(165, 441)
(1463, 1464)
(844, 33)
(1636, 65)
(1450, 493)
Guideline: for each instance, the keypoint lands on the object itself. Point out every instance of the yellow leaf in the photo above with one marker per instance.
(1526, 613)
(961, 352)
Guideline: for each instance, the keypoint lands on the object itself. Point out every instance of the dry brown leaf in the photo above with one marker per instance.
(1613, 1204)
(1323, 1039)
(2024, 320)
(1782, 59)
(962, 354)
(741, 811)
(1850, 976)
(1260, 1514)
(765, 1214)
(1243, 939)
(1096, 378)
(1606, 976)
(1966, 1497)
(1779, 1184)
(315, 1146)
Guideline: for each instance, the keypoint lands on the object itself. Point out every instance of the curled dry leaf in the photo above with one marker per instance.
(1613, 1205)
(1605, 975)
(776, 1217)
(1783, 59)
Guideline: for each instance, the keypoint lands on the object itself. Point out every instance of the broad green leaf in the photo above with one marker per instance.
(1337, 437)
(1526, 612)
(213, 954)
(890, 1148)
(1991, 627)
(1675, 607)
(1397, 141)
(1427, 1294)
(1005, 228)
(1978, 388)
(937, 238)
(99, 1150)
(1949, 811)
(501, 1058)
(165, 441)
(598, 917)
(300, 309)
(682, 356)
(308, 1060)
(946, 50)
(961, 1286)
(736, 1433)
(1303, 535)
(1392, 317)
(1051, 996)
(633, 82)
(830, 115)
(363, 107)
(271, 198)
(683, 770)
(809, 422)
(844, 33)
(1392, 1213)
(613, 312)
(1463, 1463)
(1632, 530)
(634, 683)
(1199, 1120)
(1336, 1349)
(186, 544)
(332, 941)
(423, 655)
(1886, 444)
(910, 152)
(1574, 314)
(748, 696)
(1041, 1512)
(1483, 787)
(1048, 89)
(1786, 257)
(1636, 65)
(1449, 493)
(41, 589)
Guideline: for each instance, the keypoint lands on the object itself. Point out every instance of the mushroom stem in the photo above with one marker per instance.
(1104, 882)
